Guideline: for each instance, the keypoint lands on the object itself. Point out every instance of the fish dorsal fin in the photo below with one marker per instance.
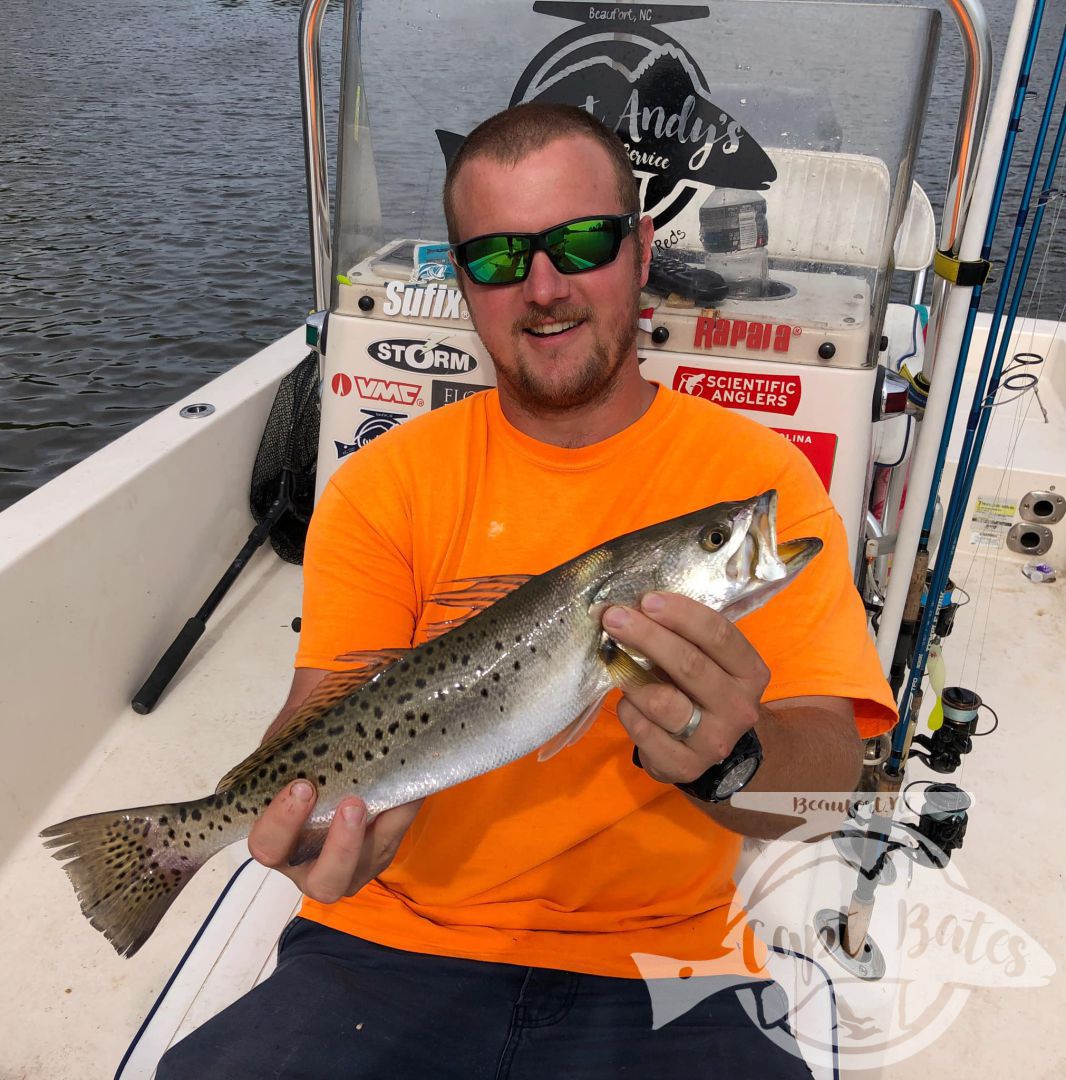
(335, 687)
(478, 593)
(572, 732)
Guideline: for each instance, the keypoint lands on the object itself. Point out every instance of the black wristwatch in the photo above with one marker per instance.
(726, 778)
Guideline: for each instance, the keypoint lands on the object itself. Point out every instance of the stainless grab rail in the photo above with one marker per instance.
(315, 147)
(969, 134)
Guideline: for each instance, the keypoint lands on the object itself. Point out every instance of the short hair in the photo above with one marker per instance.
(511, 135)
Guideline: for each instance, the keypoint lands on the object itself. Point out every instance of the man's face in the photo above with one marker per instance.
(557, 340)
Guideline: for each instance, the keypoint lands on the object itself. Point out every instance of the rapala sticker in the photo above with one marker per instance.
(396, 393)
(430, 301)
(375, 424)
(715, 333)
(740, 390)
(421, 356)
(820, 447)
(445, 393)
(619, 66)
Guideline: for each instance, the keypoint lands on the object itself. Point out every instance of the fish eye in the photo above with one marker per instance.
(713, 537)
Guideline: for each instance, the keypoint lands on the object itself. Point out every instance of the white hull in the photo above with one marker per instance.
(104, 564)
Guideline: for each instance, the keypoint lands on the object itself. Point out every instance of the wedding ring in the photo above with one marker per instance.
(689, 729)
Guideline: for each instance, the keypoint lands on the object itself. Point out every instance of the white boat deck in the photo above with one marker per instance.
(69, 1006)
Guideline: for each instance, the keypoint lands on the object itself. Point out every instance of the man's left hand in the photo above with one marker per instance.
(711, 666)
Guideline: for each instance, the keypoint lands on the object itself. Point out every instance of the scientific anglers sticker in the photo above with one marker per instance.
(421, 357)
(741, 390)
(375, 424)
(619, 66)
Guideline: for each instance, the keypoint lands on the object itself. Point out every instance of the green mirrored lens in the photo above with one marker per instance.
(497, 260)
(581, 245)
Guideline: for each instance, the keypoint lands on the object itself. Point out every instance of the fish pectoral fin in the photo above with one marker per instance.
(309, 844)
(478, 593)
(572, 732)
(335, 687)
(626, 672)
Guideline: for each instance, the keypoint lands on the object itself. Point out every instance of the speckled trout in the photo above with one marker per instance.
(526, 668)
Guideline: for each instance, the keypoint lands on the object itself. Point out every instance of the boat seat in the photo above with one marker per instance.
(236, 948)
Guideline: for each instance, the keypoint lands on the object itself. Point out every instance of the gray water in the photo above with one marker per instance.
(153, 228)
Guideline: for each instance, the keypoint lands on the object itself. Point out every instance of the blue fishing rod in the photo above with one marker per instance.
(986, 389)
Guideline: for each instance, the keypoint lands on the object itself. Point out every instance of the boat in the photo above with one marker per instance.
(775, 144)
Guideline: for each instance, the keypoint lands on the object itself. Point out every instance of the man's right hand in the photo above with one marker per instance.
(352, 854)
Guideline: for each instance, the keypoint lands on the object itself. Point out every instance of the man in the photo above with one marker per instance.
(491, 930)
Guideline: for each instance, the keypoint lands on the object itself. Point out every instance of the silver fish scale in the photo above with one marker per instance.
(482, 695)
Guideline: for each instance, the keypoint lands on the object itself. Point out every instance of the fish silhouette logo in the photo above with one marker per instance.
(375, 424)
(940, 942)
(643, 84)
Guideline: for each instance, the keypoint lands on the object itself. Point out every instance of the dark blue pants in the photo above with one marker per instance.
(340, 1007)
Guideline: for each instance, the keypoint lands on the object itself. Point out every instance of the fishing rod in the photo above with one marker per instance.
(942, 822)
(980, 410)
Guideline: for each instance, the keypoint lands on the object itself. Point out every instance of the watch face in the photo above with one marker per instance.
(736, 777)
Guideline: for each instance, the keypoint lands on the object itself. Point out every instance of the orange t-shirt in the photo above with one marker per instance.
(579, 861)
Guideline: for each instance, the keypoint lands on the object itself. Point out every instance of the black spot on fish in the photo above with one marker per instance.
(349, 755)
(393, 727)
(360, 731)
(273, 775)
(424, 718)
(484, 691)
(321, 780)
(337, 767)
(462, 725)
(416, 659)
(263, 771)
(322, 748)
(378, 714)
(409, 715)
(227, 819)
(412, 732)
(444, 731)
(336, 730)
(230, 796)
(186, 843)
(183, 813)
(368, 755)
(202, 836)
(517, 666)
(533, 648)
(499, 645)
(403, 761)
(163, 819)
(298, 757)
(378, 733)
(495, 676)
(466, 659)
(301, 775)
(170, 833)
(403, 699)
(364, 704)
(267, 801)
(318, 725)
(420, 683)
(384, 750)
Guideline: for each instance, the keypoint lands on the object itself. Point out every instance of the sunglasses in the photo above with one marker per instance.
(573, 247)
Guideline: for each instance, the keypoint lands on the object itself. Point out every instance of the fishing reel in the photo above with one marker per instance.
(947, 746)
(940, 830)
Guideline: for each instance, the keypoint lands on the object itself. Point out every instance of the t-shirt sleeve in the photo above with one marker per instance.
(359, 590)
(814, 634)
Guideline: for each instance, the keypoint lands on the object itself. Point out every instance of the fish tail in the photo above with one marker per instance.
(127, 866)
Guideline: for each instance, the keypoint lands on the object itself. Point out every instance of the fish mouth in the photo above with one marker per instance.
(757, 557)
(795, 554)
